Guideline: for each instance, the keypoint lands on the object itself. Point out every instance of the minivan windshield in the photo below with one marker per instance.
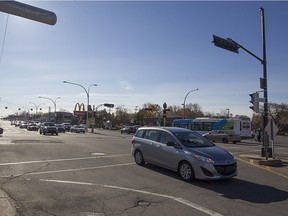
(192, 140)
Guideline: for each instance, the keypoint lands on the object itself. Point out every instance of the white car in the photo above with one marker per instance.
(77, 129)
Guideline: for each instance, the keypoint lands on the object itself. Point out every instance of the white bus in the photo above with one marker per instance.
(239, 125)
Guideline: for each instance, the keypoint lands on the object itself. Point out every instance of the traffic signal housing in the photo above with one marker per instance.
(225, 44)
(108, 105)
(255, 101)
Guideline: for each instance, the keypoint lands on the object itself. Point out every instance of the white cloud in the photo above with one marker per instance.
(125, 84)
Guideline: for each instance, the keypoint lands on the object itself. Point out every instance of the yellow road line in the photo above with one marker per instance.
(267, 168)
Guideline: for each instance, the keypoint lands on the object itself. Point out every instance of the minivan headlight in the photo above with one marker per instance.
(204, 159)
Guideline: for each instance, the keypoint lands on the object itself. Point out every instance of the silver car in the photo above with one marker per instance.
(184, 151)
(222, 136)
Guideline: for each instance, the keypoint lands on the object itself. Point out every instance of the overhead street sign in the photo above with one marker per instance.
(28, 12)
(225, 44)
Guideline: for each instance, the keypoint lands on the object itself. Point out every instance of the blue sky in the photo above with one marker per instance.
(140, 52)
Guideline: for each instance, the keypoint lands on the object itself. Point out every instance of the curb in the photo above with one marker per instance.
(272, 162)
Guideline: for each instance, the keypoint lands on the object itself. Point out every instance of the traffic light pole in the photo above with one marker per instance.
(264, 62)
(224, 43)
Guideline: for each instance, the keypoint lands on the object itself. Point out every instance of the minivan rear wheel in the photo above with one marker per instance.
(139, 159)
(186, 171)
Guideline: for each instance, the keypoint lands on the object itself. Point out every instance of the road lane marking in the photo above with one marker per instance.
(79, 169)
(267, 168)
(60, 160)
(67, 170)
(177, 199)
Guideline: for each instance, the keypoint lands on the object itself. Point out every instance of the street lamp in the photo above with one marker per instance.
(54, 102)
(37, 106)
(87, 93)
(185, 101)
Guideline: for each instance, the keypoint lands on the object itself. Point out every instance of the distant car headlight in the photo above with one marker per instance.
(204, 159)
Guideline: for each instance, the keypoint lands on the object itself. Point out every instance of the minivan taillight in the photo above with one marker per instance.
(133, 142)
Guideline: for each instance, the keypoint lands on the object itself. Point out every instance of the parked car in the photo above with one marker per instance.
(126, 129)
(85, 126)
(61, 128)
(77, 129)
(222, 136)
(32, 127)
(184, 151)
(23, 125)
(67, 126)
(48, 127)
(1, 130)
(129, 129)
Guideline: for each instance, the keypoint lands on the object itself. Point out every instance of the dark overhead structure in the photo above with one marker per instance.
(28, 12)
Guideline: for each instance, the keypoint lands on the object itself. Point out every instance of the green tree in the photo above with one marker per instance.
(277, 112)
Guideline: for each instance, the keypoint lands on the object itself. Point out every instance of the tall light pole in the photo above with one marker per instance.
(185, 101)
(87, 93)
(54, 102)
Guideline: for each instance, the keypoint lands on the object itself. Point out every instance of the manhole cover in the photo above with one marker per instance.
(143, 203)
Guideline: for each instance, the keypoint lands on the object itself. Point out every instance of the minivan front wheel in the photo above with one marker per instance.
(186, 171)
(139, 159)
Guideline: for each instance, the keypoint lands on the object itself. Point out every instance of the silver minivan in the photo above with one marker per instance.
(184, 151)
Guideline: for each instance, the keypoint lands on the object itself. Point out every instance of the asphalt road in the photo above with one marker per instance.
(95, 175)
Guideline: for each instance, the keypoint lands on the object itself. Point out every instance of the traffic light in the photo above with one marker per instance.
(255, 101)
(164, 105)
(89, 108)
(165, 110)
(109, 105)
(225, 44)
(164, 113)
